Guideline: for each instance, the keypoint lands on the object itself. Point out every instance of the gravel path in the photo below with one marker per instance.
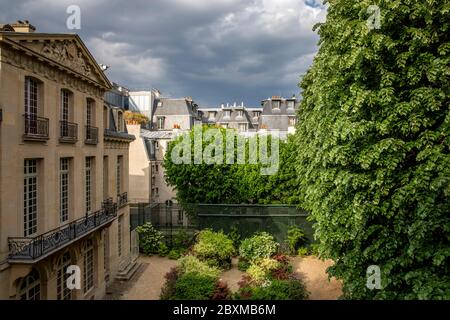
(147, 283)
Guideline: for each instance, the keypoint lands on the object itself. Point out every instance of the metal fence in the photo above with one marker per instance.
(246, 219)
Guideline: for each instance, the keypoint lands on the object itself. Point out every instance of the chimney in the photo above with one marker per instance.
(23, 26)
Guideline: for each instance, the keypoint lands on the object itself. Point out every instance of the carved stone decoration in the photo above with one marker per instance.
(67, 53)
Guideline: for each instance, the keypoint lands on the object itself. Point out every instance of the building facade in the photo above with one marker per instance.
(63, 172)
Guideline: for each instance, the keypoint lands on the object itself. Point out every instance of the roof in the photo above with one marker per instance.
(156, 134)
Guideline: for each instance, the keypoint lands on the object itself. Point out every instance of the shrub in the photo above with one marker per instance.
(303, 251)
(150, 239)
(292, 289)
(235, 236)
(194, 286)
(262, 269)
(175, 254)
(163, 250)
(221, 292)
(295, 238)
(168, 290)
(243, 264)
(181, 240)
(215, 248)
(261, 245)
(191, 264)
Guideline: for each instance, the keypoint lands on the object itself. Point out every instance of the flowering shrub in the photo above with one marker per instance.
(191, 264)
(221, 292)
(215, 248)
(150, 239)
(261, 269)
(261, 245)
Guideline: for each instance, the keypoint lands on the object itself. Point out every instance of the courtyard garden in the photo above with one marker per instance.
(214, 265)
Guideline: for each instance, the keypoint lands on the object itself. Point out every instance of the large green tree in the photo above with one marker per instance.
(373, 136)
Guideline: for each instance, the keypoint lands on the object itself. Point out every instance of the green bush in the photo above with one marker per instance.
(174, 254)
(191, 264)
(215, 248)
(260, 271)
(295, 238)
(261, 245)
(163, 250)
(303, 251)
(243, 264)
(194, 286)
(235, 236)
(290, 289)
(150, 239)
(181, 240)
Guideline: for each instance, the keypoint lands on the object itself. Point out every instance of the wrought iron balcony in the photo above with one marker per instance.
(33, 249)
(68, 132)
(91, 135)
(122, 199)
(36, 128)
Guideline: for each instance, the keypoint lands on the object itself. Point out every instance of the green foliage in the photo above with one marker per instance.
(261, 269)
(302, 251)
(261, 245)
(175, 254)
(163, 250)
(373, 136)
(292, 289)
(191, 264)
(235, 236)
(215, 248)
(295, 238)
(194, 286)
(150, 239)
(181, 240)
(243, 264)
(232, 183)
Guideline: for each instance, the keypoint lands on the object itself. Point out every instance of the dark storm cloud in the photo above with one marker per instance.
(215, 51)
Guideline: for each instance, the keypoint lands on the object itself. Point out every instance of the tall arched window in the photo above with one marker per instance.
(30, 287)
(62, 291)
(88, 266)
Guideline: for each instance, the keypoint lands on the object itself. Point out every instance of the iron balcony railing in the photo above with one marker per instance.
(91, 135)
(32, 249)
(122, 199)
(36, 128)
(68, 132)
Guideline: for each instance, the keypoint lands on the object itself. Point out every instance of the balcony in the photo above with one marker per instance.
(33, 249)
(36, 128)
(122, 199)
(91, 135)
(68, 132)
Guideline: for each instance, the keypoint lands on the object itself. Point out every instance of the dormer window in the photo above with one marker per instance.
(212, 115)
(227, 113)
(292, 121)
(290, 104)
(160, 122)
(256, 114)
(275, 104)
(240, 113)
(119, 122)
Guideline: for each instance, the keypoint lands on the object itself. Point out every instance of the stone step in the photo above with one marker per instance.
(127, 273)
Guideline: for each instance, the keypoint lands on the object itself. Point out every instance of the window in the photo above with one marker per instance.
(119, 235)
(31, 105)
(225, 125)
(30, 197)
(290, 104)
(105, 177)
(180, 216)
(88, 177)
(119, 122)
(242, 127)
(88, 266)
(62, 291)
(156, 145)
(89, 113)
(161, 121)
(227, 113)
(156, 168)
(65, 98)
(275, 104)
(256, 114)
(119, 174)
(63, 189)
(240, 113)
(30, 287)
(292, 121)
(211, 115)
(153, 181)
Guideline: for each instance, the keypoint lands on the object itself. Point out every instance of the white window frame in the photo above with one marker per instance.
(30, 197)
(88, 266)
(88, 184)
(64, 194)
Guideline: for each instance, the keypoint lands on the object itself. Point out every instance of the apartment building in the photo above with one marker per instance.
(279, 113)
(63, 169)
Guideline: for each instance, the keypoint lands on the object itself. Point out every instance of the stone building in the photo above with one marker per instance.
(63, 169)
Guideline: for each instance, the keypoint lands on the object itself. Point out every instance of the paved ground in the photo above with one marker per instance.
(146, 284)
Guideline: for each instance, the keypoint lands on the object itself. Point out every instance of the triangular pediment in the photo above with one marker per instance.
(66, 50)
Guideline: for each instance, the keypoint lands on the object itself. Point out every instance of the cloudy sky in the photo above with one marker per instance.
(215, 51)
